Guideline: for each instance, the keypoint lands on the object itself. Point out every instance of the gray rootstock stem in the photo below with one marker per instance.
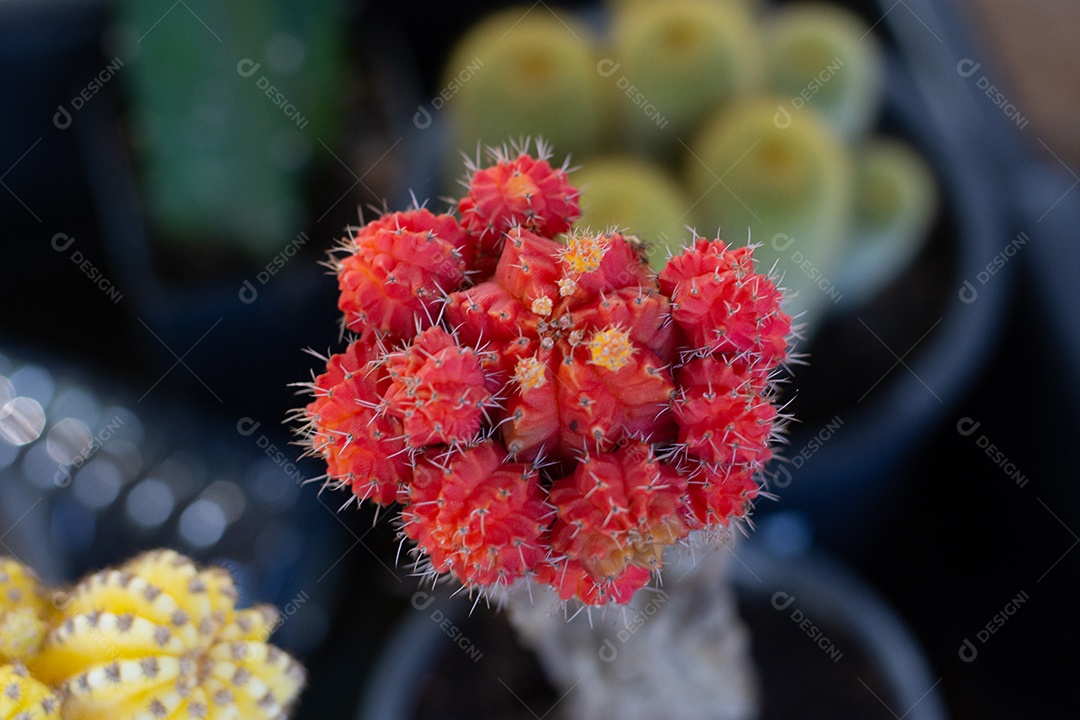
(678, 652)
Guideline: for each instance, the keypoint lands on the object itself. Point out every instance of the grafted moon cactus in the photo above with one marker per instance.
(161, 638)
(554, 410)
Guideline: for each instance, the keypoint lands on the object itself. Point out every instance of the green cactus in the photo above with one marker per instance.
(896, 199)
(785, 181)
(227, 106)
(677, 61)
(531, 74)
(639, 198)
(823, 56)
(752, 5)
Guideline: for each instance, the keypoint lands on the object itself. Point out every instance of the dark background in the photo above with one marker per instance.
(950, 548)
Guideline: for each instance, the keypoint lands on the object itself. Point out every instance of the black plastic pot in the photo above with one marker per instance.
(884, 376)
(824, 643)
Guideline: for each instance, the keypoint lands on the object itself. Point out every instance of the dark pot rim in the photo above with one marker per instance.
(857, 461)
(815, 583)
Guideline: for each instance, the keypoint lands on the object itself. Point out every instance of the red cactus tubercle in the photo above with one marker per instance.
(723, 305)
(363, 448)
(437, 390)
(397, 268)
(723, 413)
(477, 516)
(542, 405)
(618, 509)
(522, 191)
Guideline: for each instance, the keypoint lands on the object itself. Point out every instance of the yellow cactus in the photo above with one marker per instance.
(24, 698)
(159, 638)
(24, 612)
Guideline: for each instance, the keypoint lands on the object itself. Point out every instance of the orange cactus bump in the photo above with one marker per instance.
(438, 390)
(723, 413)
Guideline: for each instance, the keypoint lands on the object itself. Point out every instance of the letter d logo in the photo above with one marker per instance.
(967, 67)
(782, 477)
(248, 294)
(62, 118)
(62, 477)
(422, 600)
(782, 600)
(782, 118)
(968, 293)
(247, 67)
(422, 118)
(781, 242)
(966, 426)
(246, 426)
(61, 242)
(607, 67)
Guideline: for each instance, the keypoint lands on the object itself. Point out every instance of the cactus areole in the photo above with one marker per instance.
(537, 401)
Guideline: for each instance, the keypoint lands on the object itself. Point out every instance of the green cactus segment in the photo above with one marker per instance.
(227, 106)
(531, 74)
(789, 184)
(823, 56)
(679, 60)
(896, 199)
(752, 5)
(640, 199)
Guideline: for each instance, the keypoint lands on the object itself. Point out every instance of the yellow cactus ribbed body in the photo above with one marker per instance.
(160, 638)
(24, 612)
(24, 698)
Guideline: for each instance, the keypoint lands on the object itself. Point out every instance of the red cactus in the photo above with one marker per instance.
(363, 448)
(619, 509)
(719, 493)
(723, 305)
(513, 345)
(585, 358)
(521, 192)
(476, 516)
(610, 390)
(570, 579)
(437, 389)
(397, 269)
(597, 263)
(723, 413)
